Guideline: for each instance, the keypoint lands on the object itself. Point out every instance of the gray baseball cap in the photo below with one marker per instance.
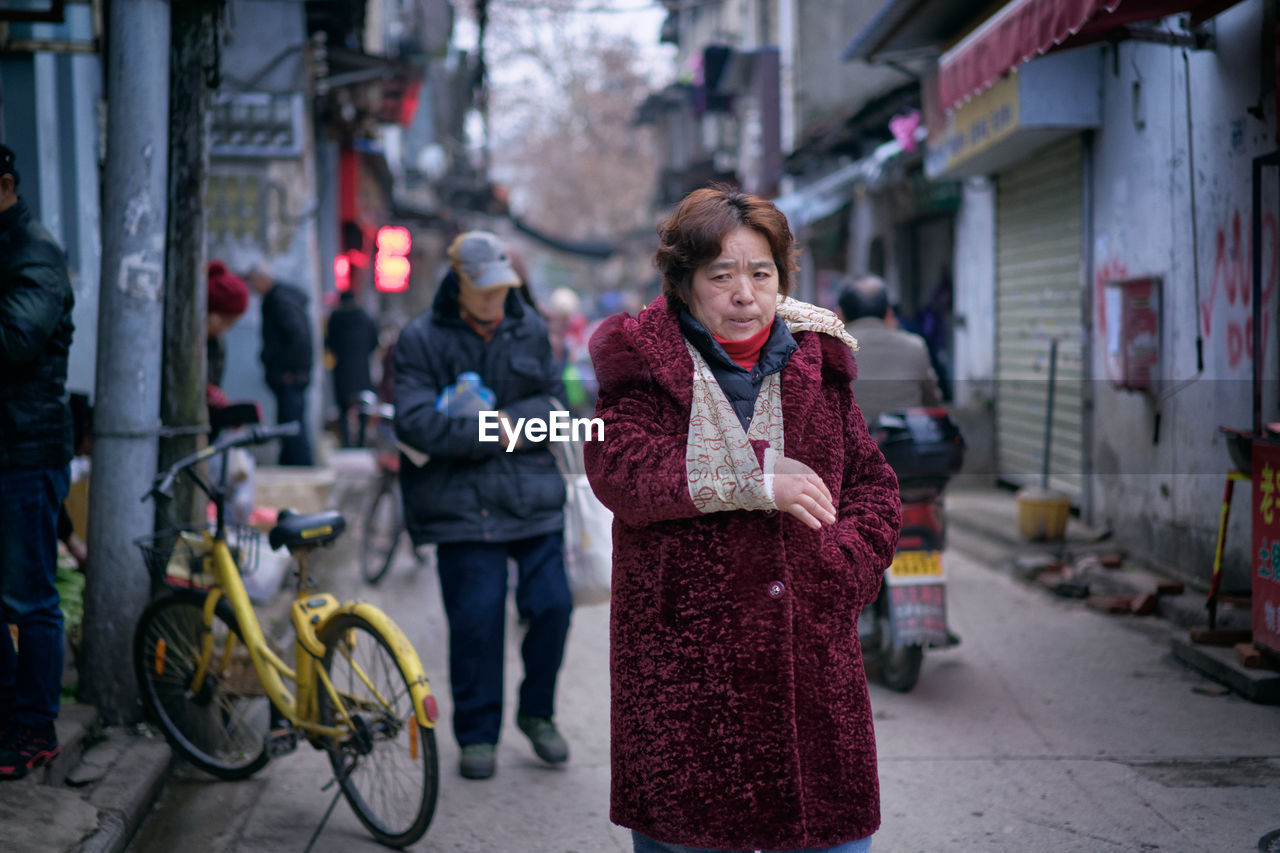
(479, 257)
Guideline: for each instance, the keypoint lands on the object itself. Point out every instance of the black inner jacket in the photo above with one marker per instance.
(739, 385)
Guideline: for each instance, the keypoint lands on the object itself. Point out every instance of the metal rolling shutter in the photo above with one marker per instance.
(1038, 297)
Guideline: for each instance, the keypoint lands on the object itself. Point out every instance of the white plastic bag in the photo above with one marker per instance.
(240, 488)
(588, 534)
(262, 579)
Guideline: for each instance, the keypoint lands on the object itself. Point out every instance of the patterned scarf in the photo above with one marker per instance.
(723, 470)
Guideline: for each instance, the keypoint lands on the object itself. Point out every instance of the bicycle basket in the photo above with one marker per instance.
(179, 557)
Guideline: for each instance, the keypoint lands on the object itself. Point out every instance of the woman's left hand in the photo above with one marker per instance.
(798, 490)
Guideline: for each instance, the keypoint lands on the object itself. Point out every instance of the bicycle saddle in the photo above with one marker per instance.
(294, 531)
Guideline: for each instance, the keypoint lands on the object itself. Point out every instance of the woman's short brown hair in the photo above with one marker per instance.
(693, 235)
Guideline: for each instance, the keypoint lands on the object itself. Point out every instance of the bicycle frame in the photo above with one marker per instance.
(310, 614)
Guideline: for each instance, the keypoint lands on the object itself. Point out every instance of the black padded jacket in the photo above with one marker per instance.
(472, 491)
(286, 337)
(35, 337)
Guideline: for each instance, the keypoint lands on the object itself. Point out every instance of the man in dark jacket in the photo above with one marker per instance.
(351, 337)
(482, 504)
(35, 450)
(286, 358)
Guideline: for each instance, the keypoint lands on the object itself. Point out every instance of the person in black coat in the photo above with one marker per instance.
(351, 337)
(35, 448)
(286, 358)
(482, 504)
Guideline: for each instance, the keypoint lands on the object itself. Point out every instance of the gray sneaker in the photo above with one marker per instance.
(547, 741)
(477, 761)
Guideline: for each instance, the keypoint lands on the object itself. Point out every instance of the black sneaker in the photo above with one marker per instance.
(547, 741)
(28, 748)
(477, 761)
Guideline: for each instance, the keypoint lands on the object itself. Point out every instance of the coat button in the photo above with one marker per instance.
(777, 589)
(484, 513)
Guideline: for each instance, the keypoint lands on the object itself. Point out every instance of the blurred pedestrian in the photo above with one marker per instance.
(482, 504)
(35, 451)
(754, 517)
(351, 337)
(894, 371)
(82, 450)
(566, 324)
(386, 386)
(228, 298)
(286, 357)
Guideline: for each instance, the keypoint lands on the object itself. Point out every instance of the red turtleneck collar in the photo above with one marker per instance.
(746, 353)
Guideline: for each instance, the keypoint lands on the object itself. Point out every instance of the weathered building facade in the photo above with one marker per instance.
(1082, 173)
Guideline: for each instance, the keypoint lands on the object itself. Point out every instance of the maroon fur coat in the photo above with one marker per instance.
(740, 716)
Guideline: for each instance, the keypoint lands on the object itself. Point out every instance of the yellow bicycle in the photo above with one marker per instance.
(210, 678)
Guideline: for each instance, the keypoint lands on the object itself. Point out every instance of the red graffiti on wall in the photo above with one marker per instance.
(1233, 273)
(1110, 270)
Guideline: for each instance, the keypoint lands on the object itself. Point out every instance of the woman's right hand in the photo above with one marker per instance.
(797, 489)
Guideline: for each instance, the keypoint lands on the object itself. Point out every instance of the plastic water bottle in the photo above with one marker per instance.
(466, 398)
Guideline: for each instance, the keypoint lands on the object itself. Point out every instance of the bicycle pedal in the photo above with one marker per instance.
(281, 742)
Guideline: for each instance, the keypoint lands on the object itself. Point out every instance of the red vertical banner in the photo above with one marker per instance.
(1266, 545)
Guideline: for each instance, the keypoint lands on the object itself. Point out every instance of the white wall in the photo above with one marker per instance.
(1166, 495)
(825, 85)
(975, 276)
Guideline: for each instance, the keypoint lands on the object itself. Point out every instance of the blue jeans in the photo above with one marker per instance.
(31, 675)
(473, 583)
(645, 844)
(291, 405)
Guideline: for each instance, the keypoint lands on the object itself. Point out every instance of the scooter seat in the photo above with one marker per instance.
(295, 531)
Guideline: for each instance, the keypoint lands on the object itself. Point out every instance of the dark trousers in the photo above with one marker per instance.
(31, 675)
(346, 400)
(473, 580)
(291, 405)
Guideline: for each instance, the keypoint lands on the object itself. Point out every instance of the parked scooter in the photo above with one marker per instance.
(925, 449)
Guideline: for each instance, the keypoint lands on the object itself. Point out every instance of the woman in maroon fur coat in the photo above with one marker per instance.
(753, 519)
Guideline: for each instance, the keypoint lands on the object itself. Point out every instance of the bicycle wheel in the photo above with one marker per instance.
(387, 763)
(220, 725)
(383, 526)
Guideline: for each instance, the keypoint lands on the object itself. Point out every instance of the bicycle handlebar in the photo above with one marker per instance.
(252, 435)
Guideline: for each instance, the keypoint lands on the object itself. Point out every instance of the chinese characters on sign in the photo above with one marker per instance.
(1266, 545)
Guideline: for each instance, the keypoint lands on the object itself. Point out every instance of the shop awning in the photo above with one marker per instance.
(832, 191)
(1021, 30)
(1024, 29)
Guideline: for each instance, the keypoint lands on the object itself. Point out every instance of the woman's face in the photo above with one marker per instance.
(735, 296)
(217, 324)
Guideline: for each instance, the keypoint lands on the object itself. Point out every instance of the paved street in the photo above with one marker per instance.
(1051, 728)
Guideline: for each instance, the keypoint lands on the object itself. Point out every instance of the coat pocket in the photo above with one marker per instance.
(839, 562)
(527, 484)
(525, 378)
(859, 563)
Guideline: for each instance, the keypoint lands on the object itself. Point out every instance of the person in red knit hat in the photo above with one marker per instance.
(228, 299)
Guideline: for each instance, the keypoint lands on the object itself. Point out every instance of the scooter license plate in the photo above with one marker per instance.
(917, 566)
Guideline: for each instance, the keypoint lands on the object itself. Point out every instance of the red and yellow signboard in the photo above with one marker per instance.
(1266, 545)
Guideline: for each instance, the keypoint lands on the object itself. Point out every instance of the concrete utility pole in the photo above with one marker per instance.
(182, 398)
(127, 398)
